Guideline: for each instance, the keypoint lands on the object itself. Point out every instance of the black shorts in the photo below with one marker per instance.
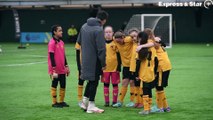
(150, 85)
(137, 82)
(126, 73)
(165, 77)
(61, 79)
(132, 76)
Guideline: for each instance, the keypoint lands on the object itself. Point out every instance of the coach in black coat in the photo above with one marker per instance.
(92, 41)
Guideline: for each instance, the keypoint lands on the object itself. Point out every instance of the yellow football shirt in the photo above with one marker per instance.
(164, 63)
(125, 51)
(133, 58)
(78, 47)
(111, 57)
(146, 71)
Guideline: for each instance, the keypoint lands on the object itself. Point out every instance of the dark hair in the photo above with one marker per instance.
(162, 43)
(54, 28)
(143, 53)
(143, 37)
(102, 15)
(150, 32)
(119, 34)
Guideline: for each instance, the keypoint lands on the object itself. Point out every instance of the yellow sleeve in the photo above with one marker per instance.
(150, 41)
(128, 39)
(77, 46)
(115, 45)
(133, 59)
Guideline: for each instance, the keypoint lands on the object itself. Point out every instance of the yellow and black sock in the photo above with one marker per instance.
(141, 96)
(165, 103)
(80, 92)
(122, 93)
(137, 94)
(54, 95)
(159, 100)
(132, 95)
(62, 95)
(150, 103)
(146, 102)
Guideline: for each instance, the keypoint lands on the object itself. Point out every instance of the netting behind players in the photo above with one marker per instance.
(159, 23)
(135, 21)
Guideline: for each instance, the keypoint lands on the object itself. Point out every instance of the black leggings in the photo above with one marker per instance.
(159, 88)
(137, 83)
(80, 82)
(147, 91)
(62, 79)
(113, 85)
(91, 89)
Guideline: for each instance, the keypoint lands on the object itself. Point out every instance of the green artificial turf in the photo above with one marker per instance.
(25, 86)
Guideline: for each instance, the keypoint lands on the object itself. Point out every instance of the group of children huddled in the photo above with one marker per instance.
(145, 65)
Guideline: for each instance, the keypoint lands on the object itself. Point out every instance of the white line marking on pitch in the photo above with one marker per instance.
(23, 64)
(35, 56)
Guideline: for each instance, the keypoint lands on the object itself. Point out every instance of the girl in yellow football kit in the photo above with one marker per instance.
(164, 68)
(147, 70)
(138, 93)
(124, 45)
(112, 71)
(80, 81)
(163, 71)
